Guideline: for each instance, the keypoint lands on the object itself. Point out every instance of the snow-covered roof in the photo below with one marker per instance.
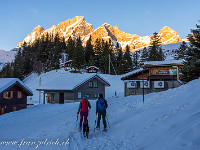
(132, 72)
(166, 62)
(70, 81)
(5, 83)
(68, 61)
(92, 67)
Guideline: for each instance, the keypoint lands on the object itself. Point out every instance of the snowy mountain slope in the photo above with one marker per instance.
(166, 120)
(5, 57)
(169, 50)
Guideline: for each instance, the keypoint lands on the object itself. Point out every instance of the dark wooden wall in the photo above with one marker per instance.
(9, 104)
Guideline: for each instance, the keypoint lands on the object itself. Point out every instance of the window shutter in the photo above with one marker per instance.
(19, 94)
(11, 92)
(4, 95)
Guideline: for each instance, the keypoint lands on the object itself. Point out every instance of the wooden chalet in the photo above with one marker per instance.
(13, 95)
(67, 65)
(157, 76)
(92, 69)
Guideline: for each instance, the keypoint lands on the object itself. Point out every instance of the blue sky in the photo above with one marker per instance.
(142, 17)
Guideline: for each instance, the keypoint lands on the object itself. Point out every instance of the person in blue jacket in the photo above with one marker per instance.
(101, 106)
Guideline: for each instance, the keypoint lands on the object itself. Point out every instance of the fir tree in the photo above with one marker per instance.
(119, 57)
(97, 52)
(181, 51)
(57, 52)
(17, 65)
(123, 66)
(127, 57)
(104, 57)
(89, 51)
(135, 60)
(191, 69)
(70, 48)
(144, 56)
(161, 54)
(155, 51)
(78, 55)
(91, 61)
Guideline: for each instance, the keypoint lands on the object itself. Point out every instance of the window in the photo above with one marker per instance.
(90, 85)
(96, 95)
(95, 84)
(8, 95)
(79, 94)
(19, 94)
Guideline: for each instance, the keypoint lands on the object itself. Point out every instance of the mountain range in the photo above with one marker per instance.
(77, 26)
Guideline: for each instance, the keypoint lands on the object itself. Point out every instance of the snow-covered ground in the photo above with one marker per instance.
(166, 120)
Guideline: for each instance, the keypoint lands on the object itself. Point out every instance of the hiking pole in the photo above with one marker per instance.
(95, 123)
(76, 120)
(108, 122)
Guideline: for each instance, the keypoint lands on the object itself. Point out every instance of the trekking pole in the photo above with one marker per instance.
(108, 122)
(95, 123)
(76, 120)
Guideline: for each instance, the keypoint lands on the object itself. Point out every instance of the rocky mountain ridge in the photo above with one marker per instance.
(77, 26)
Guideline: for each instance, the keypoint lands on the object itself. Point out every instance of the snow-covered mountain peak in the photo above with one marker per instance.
(77, 26)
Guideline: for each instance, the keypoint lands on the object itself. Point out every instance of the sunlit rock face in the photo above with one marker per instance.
(78, 27)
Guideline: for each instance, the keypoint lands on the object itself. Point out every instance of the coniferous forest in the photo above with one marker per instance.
(45, 53)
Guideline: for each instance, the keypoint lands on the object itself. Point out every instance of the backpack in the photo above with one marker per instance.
(84, 105)
(101, 105)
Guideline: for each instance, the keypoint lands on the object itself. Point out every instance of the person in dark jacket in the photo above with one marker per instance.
(101, 106)
(83, 109)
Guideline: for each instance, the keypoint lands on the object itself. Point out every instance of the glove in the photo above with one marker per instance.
(77, 113)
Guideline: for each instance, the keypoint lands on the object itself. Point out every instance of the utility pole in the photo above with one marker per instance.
(143, 86)
(39, 91)
(109, 64)
(142, 64)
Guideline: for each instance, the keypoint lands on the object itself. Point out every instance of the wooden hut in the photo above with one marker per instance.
(157, 76)
(13, 95)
